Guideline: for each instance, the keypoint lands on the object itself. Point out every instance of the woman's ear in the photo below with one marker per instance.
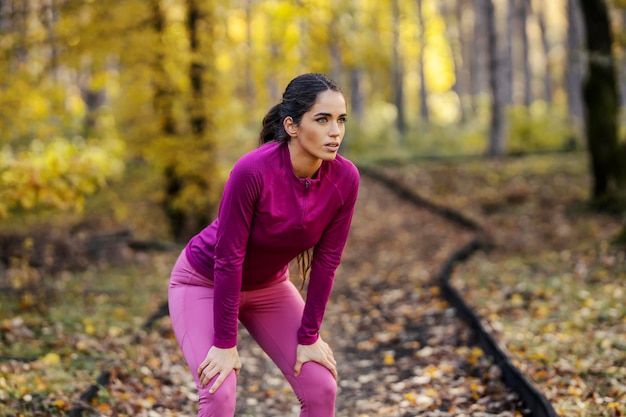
(290, 126)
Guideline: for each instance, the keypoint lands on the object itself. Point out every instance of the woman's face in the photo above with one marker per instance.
(321, 130)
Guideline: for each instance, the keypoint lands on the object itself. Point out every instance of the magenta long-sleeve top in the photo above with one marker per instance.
(267, 217)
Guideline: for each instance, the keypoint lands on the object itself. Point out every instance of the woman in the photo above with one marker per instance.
(292, 197)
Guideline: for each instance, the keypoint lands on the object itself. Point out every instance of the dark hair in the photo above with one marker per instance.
(299, 96)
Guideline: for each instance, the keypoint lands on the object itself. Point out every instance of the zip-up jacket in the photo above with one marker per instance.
(267, 217)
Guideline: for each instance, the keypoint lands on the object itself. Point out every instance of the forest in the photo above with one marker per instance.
(120, 123)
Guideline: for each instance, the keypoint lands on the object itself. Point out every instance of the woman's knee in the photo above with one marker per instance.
(325, 390)
(317, 384)
(221, 403)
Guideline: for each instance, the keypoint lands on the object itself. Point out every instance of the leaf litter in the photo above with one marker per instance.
(401, 350)
(552, 290)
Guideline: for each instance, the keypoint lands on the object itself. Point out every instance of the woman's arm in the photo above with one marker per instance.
(326, 258)
(234, 221)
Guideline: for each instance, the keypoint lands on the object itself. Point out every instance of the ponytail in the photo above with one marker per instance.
(272, 128)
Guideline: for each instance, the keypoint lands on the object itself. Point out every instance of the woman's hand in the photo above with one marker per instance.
(318, 352)
(218, 361)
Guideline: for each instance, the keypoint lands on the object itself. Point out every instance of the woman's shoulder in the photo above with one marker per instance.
(345, 168)
(258, 160)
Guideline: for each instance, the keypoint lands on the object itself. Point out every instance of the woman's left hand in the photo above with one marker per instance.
(318, 352)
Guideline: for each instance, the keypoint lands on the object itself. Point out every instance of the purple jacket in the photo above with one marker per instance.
(267, 217)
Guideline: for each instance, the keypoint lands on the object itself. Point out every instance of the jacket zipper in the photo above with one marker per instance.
(304, 200)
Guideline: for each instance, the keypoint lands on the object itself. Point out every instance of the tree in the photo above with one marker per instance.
(423, 97)
(574, 67)
(601, 101)
(397, 71)
(497, 145)
(188, 164)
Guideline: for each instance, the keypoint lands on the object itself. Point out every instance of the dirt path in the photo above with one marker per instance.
(401, 350)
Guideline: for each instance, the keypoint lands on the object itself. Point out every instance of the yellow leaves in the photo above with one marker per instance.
(389, 358)
(154, 363)
(574, 391)
(51, 359)
(424, 399)
(237, 26)
(517, 300)
(56, 174)
(472, 355)
(115, 331)
(224, 62)
(103, 407)
(435, 291)
(89, 327)
(60, 404)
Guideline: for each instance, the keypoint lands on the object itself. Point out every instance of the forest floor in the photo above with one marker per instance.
(551, 290)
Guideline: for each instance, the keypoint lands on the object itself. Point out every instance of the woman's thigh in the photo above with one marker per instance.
(272, 316)
(191, 300)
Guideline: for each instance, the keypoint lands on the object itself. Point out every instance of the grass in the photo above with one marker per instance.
(94, 323)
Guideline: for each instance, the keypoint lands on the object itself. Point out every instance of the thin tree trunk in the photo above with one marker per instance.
(423, 96)
(497, 146)
(479, 54)
(202, 85)
(49, 16)
(356, 94)
(506, 66)
(163, 89)
(574, 68)
(397, 71)
(622, 73)
(459, 53)
(547, 77)
(163, 101)
(524, 6)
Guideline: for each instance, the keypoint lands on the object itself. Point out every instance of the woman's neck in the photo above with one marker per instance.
(303, 165)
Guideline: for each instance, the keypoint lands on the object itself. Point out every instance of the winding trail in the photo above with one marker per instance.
(401, 349)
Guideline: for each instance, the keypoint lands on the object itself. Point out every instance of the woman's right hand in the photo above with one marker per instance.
(218, 362)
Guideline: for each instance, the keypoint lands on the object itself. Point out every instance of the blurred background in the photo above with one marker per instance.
(120, 122)
(159, 97)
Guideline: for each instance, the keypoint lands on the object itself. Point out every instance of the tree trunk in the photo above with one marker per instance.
(506, 64)
(397, 72)
(547, 77)
(497, 146)
(49, 17)
(478, 68)
(459, 53)
(423, 96)
(163, 107)
(356, 94)
(574, 69)
(622, 72)
(601, 105)
(524, 6)
(453, 15)
(202, 140)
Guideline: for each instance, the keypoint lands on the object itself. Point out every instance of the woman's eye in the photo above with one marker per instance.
(322, 120)
(343, 120)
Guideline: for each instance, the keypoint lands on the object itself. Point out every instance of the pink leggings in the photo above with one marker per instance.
(271, 315)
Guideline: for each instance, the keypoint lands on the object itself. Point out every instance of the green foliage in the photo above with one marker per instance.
(539, 127)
